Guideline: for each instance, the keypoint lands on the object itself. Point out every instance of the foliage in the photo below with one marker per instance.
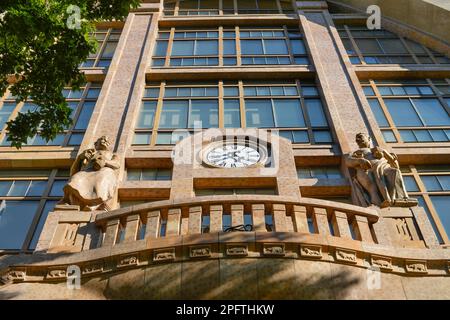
(41, 48)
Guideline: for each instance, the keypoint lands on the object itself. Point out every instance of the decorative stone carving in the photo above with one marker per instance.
(414, 266)
(274, 250)
(237, 250)
(93, 178)
(310, 251)
(200, 252)
(128, 261)
(376, 177)
(13, 276)
(164, 255)
(56, 274)
(382, 262)
(346, 256)
(92, 268)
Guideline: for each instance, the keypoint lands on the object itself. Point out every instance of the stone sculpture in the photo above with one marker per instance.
(376, 177)
(93, 178)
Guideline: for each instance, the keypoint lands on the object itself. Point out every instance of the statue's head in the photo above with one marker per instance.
(102, 143)
(363, 140)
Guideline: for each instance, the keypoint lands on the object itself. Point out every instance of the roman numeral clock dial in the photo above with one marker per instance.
(234, 155)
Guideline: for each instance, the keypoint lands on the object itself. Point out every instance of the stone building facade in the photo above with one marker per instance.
(231, 168)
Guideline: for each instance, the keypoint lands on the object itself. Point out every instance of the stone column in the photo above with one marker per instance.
(131, 229)
(340, 225)
(112, 228)
(321, 221)
(195, 220)
(173, 222)
(363, 229)
(348, 109)
(279, 217)
(300, 219)
(153, 224)
(215, 218)
(258, 217)
(237, 214)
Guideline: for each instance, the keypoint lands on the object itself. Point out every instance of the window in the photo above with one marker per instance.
(226, 7)
(81, 102)
(149, 174)
(431, 186)
(258, 46)
(294, 108)
(319, 173)
(26, 198)
(411, 111)
(107, 40)
(383, 47)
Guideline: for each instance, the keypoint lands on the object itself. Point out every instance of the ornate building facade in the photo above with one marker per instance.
(221, 149)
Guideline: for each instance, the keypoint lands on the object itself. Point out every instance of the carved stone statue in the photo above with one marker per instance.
(93, 178)
(376, 177)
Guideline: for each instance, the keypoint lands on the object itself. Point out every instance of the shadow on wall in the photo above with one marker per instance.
(237, 279)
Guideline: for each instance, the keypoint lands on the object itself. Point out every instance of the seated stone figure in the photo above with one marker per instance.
(93, 178)
(376, 178)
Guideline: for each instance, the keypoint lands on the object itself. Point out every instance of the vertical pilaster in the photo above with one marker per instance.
(300, 219)
(173, 222)
(237, 214)
(195, 220)
(279, 217)
(258, 215)
(153, 224)
(215, 218)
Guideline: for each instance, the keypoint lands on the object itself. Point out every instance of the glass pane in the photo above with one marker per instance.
(432, 112)
(301, 137)
(147, 115)
(49, 205)
(207, 48)
(15, 220)
(85, 115)
(76, 139)
(229, 47)
(109, 50)
(183, 48)
(322, 137)
(392, 46)
(298, 47)
(231, 91)
(205, 111)
(259, 113)
(4, 187)
(378, 112)
(410, 184)
(142, 138)
(37, 188)
(445, 182)
(161, 49)
(403, 113)
(19, 188)
(431, 183)
(232, 115)
(164, 174)
(134, 174)
(275, 47)
(315, 112)
(252, 47)
(57, 188)
(5, 113)
(148, 174)
(368, 46)
(389, 136)
(288, 113)
(441, 204)
(174, 114)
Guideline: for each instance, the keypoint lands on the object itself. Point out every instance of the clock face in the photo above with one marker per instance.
(233, 155)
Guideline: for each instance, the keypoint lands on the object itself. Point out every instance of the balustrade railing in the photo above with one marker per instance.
(268, 214)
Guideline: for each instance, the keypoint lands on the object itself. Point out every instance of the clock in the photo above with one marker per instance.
(234, 154)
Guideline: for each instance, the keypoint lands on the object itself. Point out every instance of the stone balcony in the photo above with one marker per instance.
(107, 244)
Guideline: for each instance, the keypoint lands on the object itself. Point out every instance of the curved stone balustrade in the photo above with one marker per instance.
(347, 236)
(289, 215)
